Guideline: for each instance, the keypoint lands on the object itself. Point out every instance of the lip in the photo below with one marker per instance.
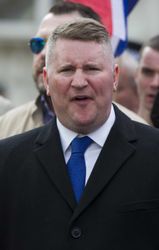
(151, 97)
(81, 99)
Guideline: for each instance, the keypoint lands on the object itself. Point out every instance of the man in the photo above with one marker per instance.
(42, 205)
(39, 111)
(147, 77)
(126, 93)
(155, 112)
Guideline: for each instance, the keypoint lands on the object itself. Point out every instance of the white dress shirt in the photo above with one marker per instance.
(99, 137)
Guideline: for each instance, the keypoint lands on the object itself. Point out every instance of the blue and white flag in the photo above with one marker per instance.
(114, 14)
(120, 11)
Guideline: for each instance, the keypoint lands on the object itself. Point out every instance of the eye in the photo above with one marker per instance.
(92, 68)
(147, 71)
(66, 70)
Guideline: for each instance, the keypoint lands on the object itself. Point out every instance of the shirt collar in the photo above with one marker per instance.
(99, 136)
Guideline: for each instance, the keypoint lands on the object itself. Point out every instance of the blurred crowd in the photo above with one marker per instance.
(136, 92)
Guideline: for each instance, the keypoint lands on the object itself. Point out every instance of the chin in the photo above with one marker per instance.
(84, 127)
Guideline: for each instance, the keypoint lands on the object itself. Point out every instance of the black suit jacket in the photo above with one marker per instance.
(118, 210)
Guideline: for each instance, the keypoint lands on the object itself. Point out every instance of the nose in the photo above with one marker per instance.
(79, 79)
(155, 81)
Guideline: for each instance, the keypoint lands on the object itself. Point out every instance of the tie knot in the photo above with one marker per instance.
(80, 144)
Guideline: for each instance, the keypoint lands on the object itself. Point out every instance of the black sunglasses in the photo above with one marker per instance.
(37, 44)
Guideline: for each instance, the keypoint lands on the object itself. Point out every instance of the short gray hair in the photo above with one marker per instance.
(83, 29)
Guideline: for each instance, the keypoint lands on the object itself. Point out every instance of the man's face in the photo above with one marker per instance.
(147, 78)
(126, 93)
(48, 24)
(80, 80)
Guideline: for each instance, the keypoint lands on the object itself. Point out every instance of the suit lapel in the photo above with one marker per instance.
(49, 152)
(117, 149)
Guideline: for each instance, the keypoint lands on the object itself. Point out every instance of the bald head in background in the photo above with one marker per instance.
(126, 92)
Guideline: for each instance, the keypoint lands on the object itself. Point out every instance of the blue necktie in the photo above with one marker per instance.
(76, 165)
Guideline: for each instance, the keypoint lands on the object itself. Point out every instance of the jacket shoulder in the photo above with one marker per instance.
(20, 119)
(5, 105)
(132, 115)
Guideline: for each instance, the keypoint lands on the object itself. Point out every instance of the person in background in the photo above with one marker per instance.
(147, 77)
(155, 112)
(5, 104)
(126, 93)
(89, 178)
(38, 112)
(59, 13)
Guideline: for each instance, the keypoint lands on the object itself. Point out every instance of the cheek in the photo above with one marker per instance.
(121, 95)
(104, 93)
(35, 60)
(141, 83)
(57, 89)
(104, 83)
(144, 84)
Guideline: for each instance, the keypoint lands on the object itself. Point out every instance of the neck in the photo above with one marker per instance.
(145, 114)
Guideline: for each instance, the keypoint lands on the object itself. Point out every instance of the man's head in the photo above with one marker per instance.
(126, 93)
(147, 77)
(80, 74)
(58, 14)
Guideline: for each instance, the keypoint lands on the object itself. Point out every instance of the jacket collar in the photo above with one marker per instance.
(120, 146)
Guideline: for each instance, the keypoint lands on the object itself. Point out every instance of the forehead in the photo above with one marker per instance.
(69, 51)
(150, 58)
(51, 21)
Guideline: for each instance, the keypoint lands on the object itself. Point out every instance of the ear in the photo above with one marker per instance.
(45, 80)
(116, 77)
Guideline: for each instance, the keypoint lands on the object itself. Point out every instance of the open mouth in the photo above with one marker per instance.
(81, 98)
